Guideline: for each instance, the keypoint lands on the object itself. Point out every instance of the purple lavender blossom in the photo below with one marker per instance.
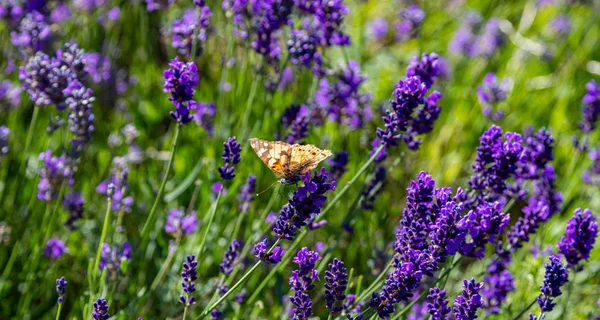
(411, 20)
(498, 282)
(379, 29)
(231, 255)
(427, 68)
(60, 13)
(44, 80)
(261, 252)
(79, 101)
(180, 224)
(302, 281)
(555, 277)
(336, 281)
(4, 132)
(154, 5)
(296, 119)
(55, 248)
(373, 188)
(246, 195)
(591, 107)
(302, 47)
(404, 121)
(11, 11)
(338, 165)
(10, 95)
(491, 39)
(231, 156)
(74, 204)
(112, 258)
(485, 225)
(239, 298)
(97, 66)
(561, 25)
(492, 92)
(61, 289)
(579, 237)
(54, 171)
(33, 33)
(592, 174)
(438, 304)
(189, 277)
(418, 311)
(204, 116)
(180, 80)
(120, 179)
(467, 304)
(100, 310)
(191, 24)
(304, 206)
(341, 101)
(475, 38)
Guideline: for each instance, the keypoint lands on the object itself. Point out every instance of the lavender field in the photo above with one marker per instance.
(415, 159)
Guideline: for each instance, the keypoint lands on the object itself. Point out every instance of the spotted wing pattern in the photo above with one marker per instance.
(288, 161)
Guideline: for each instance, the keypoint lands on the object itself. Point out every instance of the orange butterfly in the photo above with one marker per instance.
(288, 161)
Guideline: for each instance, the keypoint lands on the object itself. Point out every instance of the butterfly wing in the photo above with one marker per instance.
(305, 158)
(275, 154)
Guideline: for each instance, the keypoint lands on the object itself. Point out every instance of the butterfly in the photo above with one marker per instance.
(288, 161)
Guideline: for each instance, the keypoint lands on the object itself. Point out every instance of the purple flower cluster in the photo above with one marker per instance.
(112, 258)
(301, 282)
(406, 120)
(467, 304)
(340, 99)
(261, 251)
(491, 93)
(231, 255)
(475, 38)
(555, 277)
(11, 12)
(338, 165)
(246, 195)
(304, 206)
(427, 68)
(591, 107)
(438, 304)
(180, 80)
(561, 26)
(295, 119)
(55, 248)
(180, 224)
(336, 281)
(10, 95)
(498, 282)
(54, 171)
(33, 33)
(189, 277)
(579, 238)
(411, 19)
(100, 310)
(74, 204)
(4, 132)
(79, 101)
(47, 79)
(231, 156)
(61, 289)
(204, 116)
(190, 25)
(119, 178)
(485, 225)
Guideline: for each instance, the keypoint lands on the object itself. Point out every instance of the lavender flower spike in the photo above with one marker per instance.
(246, 195)
(100, 310)
(438, 304)
(180, 80)
(189, 277)
(556, 275)
(61, 289)
(231, 255)
(301, 282)
(467, 304)
(261, 252)
(579, 237)
(336, 281)
(231, 156)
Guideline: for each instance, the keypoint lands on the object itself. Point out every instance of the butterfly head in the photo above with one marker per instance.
(290, 180)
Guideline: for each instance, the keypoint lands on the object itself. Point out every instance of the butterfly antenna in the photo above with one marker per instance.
(271, 186)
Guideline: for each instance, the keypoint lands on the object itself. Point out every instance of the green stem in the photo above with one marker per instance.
(568, 289)
(102, 237)
(249, 104)
(32, 123)
(59, 310)
(54, 210)
(184, 312)
(150, 220)
(373, 285)
(525, 310)
(237, 284)
(210, 222)
(163, 269)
